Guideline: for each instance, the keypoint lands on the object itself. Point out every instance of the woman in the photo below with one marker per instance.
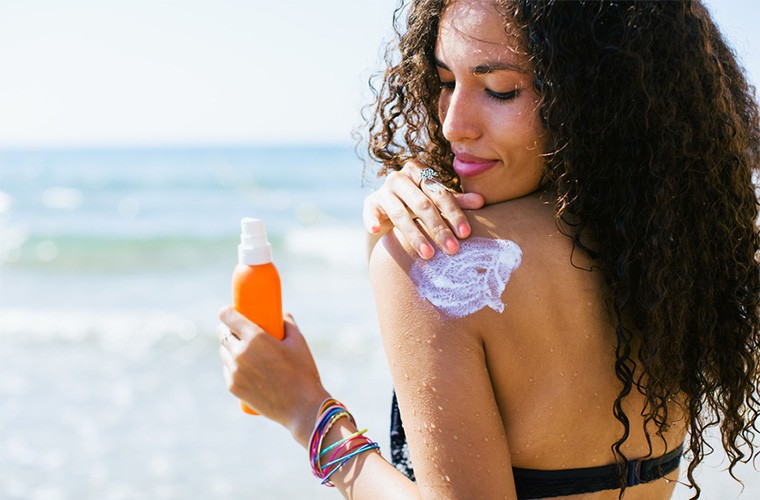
(605, 301)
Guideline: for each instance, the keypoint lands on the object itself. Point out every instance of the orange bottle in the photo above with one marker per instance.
(256, 288)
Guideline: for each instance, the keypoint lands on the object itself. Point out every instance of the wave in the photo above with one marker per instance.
(332, 245)
(117, 331)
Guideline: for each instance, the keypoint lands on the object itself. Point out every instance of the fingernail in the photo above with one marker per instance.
(374, 229)
(426, 251)
(451, 245)
(464, 230)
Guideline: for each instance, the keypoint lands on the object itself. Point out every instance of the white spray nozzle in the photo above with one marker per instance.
(254, 248)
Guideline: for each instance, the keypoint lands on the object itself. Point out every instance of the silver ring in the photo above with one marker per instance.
(432, 184)
(427, 174)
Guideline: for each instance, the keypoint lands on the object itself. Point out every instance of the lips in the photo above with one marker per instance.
(467, 165)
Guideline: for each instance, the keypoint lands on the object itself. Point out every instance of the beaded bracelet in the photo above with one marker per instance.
(330, 411)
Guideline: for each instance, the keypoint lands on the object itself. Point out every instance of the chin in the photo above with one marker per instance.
(492, 196)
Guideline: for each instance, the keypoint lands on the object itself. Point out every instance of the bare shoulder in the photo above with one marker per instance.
(431, 349)
(516, 248)
(530, 221)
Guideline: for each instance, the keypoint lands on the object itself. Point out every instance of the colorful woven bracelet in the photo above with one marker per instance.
(367, 447)
(342, 441)
(330, 411)
(340, 453)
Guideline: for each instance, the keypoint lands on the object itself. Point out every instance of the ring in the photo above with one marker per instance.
(226, 336)
(433, 184)
(427, 174)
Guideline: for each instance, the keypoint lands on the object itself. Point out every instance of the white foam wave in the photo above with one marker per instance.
(117, 330)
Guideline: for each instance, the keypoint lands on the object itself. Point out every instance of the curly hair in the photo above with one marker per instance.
(654, 138)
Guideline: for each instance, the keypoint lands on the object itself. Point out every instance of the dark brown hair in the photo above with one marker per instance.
(654, 138)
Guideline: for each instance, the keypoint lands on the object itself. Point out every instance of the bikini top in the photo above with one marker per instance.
(533, 483)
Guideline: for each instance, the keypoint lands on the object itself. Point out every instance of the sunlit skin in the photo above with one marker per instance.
(529, 387)
(488, 106)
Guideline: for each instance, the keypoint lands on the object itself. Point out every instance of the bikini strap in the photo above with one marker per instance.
(644, 471)
(534, 483)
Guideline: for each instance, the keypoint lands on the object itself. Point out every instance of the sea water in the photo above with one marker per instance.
(113, 265)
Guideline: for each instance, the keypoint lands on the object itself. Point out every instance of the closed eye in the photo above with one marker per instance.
(503, 96)
(499, 96)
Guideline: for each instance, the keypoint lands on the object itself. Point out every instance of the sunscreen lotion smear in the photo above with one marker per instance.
(256, 284)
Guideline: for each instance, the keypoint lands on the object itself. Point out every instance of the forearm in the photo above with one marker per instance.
(368, 476)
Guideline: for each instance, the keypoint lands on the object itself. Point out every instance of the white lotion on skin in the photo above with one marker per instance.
(474, 278)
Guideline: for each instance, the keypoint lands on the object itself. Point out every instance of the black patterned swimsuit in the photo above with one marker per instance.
(534, 483)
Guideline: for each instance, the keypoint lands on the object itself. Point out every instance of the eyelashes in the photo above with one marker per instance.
(499, 96)
(503, 96)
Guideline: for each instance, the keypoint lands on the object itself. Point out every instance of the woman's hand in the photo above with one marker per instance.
(405, 197)
(277, 379)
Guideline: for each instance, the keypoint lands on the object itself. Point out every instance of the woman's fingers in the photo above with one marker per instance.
(469, 201)
(373, 214)
(448, 205)
(239, 325)
(421, 205)
(292, 332)
(401, 218)
(412, 200)
(224, 334)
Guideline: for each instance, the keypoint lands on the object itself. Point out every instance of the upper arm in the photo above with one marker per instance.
(456, 436)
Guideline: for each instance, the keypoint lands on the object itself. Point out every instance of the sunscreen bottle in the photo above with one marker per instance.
(256, 284)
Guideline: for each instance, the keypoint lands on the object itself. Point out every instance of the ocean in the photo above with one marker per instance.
(113, 265)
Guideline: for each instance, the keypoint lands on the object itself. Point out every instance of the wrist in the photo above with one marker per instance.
(302, 424)
(336, 447)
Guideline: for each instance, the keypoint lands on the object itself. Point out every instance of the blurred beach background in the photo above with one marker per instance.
(133, 138)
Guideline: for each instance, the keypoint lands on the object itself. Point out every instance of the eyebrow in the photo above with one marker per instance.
(484, 69)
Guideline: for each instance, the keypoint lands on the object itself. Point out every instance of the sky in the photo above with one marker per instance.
(121, 73)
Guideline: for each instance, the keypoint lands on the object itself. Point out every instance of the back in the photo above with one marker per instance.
(548, 355)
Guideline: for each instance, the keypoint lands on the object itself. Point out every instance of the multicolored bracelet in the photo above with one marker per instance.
(330, 411)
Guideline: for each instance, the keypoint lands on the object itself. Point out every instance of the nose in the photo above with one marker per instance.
(458, 112)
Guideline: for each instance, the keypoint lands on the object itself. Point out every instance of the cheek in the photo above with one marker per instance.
(521, 130)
